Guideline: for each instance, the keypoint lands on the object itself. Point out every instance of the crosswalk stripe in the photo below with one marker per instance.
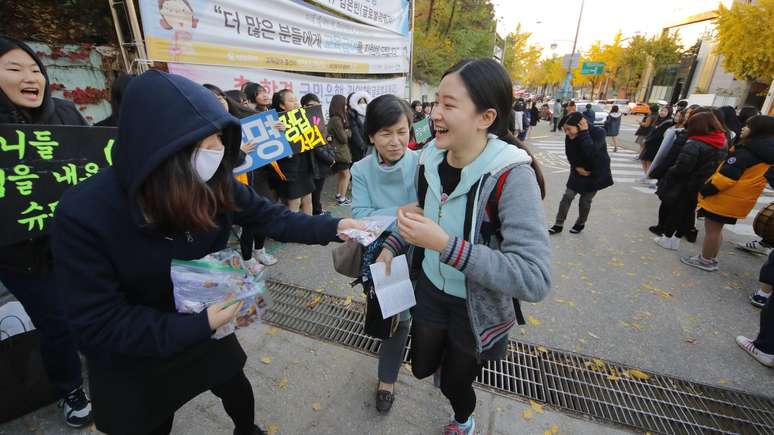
(624, 180)
(625, 165)
(624, 172)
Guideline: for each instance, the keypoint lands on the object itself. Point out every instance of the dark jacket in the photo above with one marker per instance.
(656, 135)
(590, 116)
(34, 256)
(534, 116)
(695, 163)
(658, 171)
(358, 144)
(145, 360)
(588, 150)
(613, 124)
(339, 136)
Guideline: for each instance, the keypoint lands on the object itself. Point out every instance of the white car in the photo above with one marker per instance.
(600, 114)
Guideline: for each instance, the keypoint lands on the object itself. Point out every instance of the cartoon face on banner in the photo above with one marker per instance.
(304, 128)
(179, 17)
(271, 145)
(37, 164)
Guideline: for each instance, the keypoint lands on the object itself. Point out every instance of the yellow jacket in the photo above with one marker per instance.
(734, 188)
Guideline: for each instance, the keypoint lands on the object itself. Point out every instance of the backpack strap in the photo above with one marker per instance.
(493, 201)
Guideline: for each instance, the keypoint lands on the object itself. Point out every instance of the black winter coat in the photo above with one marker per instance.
(588, 150)
(145, 360)
(695, 163)
(358, 143)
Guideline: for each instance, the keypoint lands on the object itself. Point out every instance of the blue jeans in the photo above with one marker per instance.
(42, 301)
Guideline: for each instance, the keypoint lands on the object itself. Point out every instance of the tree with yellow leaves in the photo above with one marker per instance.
(745, 34)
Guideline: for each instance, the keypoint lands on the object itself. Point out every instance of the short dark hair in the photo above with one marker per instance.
(235, 107)
(279, 98)
(614, 109)
(415, 103)
(573, 119)
(747, 112)
(384, 111)
(309, 98)
(588, 106)
(702, 123)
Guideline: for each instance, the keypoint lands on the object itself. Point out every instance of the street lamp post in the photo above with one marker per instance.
(567, 87)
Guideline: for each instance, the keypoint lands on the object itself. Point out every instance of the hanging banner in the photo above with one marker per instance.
(325, 88)
(388, 14)
(277, 34)
(37, 164)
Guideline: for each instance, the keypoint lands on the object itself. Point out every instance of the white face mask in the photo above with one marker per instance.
(206, 162)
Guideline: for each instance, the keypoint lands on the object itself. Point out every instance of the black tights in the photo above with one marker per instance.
(238, 401)
(431, 349)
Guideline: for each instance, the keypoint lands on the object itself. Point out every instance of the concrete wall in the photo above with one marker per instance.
(422, 92)
(711, 78)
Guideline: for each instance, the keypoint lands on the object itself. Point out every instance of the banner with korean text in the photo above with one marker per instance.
(37, 164)
(325, 88)
(277, 34)
(388, 14)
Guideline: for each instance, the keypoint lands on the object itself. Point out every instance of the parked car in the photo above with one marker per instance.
(639, 108)
(600, 114)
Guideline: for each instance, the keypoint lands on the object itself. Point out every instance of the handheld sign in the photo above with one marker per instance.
(305, 128)
(271, 144)
(422, 131)
(37, 164)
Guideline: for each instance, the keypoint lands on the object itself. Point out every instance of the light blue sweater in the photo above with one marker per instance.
(380, 190)
(450, 215)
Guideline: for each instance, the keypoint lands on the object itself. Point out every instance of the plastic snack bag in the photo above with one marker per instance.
(375, 226)
(201, 283)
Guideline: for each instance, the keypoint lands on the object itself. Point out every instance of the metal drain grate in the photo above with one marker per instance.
(600, 389)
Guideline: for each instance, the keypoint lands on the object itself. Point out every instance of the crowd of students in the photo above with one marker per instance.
(101, 285)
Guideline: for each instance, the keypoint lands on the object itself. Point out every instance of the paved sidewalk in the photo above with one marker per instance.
(329, 390)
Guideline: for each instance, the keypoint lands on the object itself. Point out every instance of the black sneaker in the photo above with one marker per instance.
(77, 408)
(556, 229)
(577, 228)
(758, 300)
(655, 229)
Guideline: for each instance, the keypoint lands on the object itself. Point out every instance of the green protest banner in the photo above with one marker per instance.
(422, 131)
(37, 164)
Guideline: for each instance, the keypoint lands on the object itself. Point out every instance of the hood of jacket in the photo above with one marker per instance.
(615, 114)
(715, 139)
(762, 147)
(354, 98)
(162, 114)
(13, 114)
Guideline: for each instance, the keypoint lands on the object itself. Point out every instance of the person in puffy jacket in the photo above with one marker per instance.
(734, 188)
(613, 126)
(703, 151)
(586, 151)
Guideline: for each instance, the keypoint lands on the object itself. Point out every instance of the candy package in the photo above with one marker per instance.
(201, 283)
(375, 226)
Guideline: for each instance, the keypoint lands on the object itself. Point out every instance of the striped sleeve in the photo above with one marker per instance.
(456, 253)
(395, 244)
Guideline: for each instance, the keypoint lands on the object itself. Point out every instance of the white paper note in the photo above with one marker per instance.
(395, 292)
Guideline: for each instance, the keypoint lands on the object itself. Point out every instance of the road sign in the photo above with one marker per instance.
(592, 68)
(566, 61)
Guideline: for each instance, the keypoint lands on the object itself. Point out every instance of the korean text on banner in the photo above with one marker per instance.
(304, 128)
(422, 131)
(271, 144)
(301, 84)
(278, 34)
(37, 164)
(387, 14)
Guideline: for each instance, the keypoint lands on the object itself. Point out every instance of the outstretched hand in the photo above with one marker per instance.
(349, 224)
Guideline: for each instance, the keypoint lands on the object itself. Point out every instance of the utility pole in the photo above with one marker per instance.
(412, 5)
(567, 88)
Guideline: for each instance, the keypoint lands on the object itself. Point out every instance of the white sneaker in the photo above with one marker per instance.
(754, 246)
(264, 257)
(671, 243)
(748, 346)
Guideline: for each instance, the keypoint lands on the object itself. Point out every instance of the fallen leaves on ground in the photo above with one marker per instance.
(273, 429)
(536, 406)
(637, 374)
(347, 302)
(635, 326)
(272, 331)
(554, 429)
(314, 302)
(723, 381)
(527, 414)
(615, 262)
(690, 340)
(542, 349)
(596, 365)
(532, 320)
(266, 359)
(283, 383)
(316, 406)
(593, 335)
